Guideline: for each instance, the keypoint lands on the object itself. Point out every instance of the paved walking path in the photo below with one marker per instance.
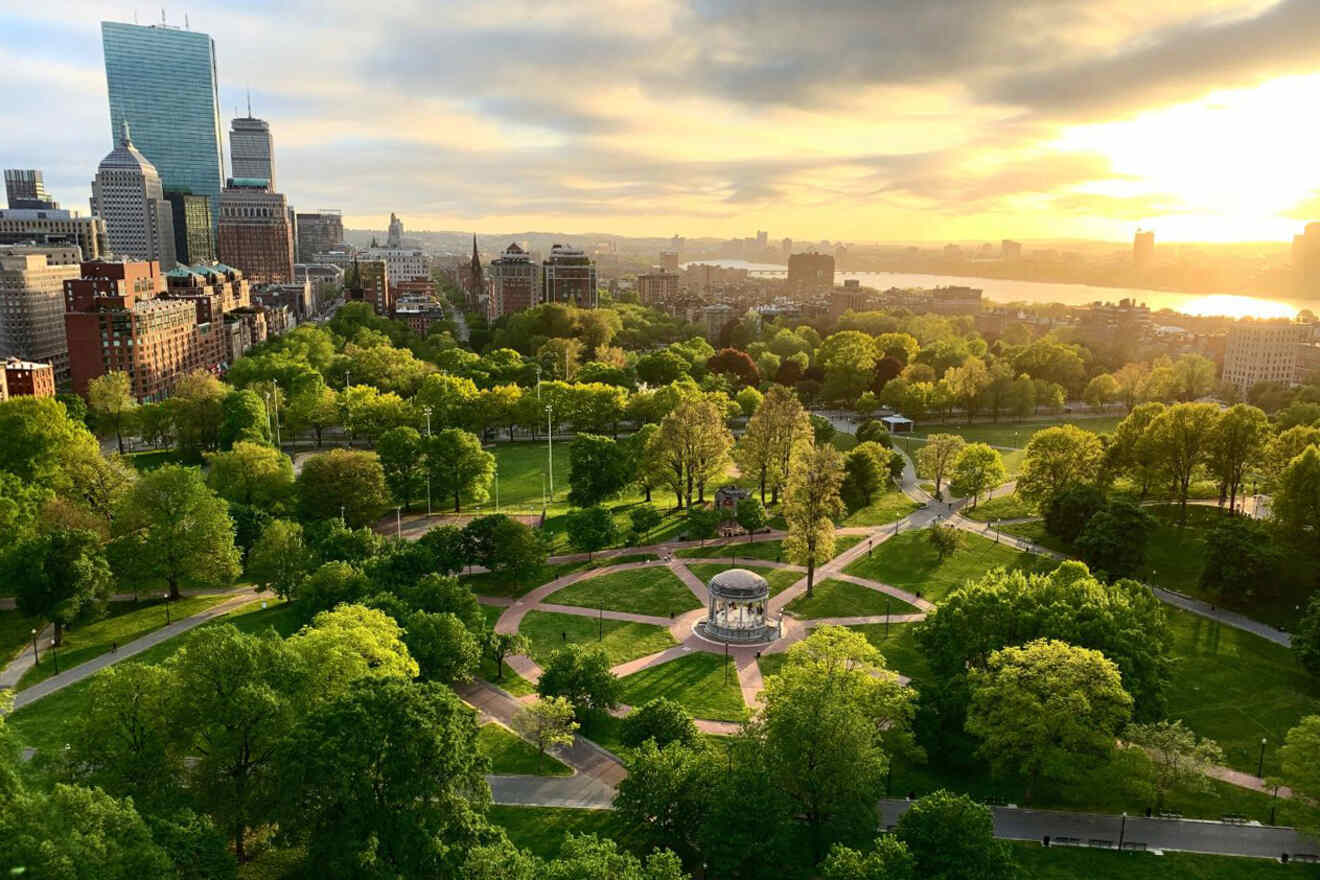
(578, 791)
(130, 649)
(16, 668)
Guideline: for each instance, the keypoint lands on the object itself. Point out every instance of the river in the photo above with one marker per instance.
(1003, 291)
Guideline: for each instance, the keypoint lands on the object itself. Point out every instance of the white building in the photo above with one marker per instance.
(405, 264)
(32, 304)
(127, 194)
(1267, 352)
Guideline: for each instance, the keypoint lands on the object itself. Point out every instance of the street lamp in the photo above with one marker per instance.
(166, 596)
(1260, 765)
(398, 523)
(54, 655)
(427, 410)
(36, 658)
(550, 446)
(1122, 832)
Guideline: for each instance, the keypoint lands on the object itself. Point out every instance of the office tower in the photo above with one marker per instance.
(252, 150)
(514, 282)
(669, 261)
(654, 288)
(1307, 257)
(1143, 248)
(569, 276)
(319, 233)
(25, 188)
(811, 270)
(194, 239)
(762, 239)
(786, 248)
(116, 320)
(1010, 250)
(406, 264)
(54, 228)
(1260, 351)
(369, 281)
(127, 194)
(162, 81)
(32, 304)
(254, 234)
(395, 238)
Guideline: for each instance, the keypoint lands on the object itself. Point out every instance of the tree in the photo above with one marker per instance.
(749, 400)
(400, 451)
(110, 397)
(1194, 375)
(459, 466)
(945, 540)
(830, 723)
(444, 648)
(937, 456)
(1114, 539)
(599, 468)
(737, 364)
(702, 522)
(342, 482)
(447, 549)
(1057, 457)
(644, 517)
(591, 529)
(1067, 511)
(1306, 640)
(351, 642)
(977, 469)
(1296, 505)
(546, 722)
(1284, 447)
(811, 502)
(890, 860)
(1237, 444)
(333, 584)
(587, 857)
(751, 515)
(848, 359)
(581, 675)
(1179, 439)
(1100, 390)
(502, 645)
(280, 558)
(316, 408)
(865, 469)
(171, 528)
(243, 417)
(38, 440)
(1241, 561)
(1300, 756)
(695, 444)
(60, 576)
(1177, 758)
(777, 428)
(1047, 709)
(666, 794)
(951, 837)
(662, 720)
(386, 781)
(504, 545)
(251, 474)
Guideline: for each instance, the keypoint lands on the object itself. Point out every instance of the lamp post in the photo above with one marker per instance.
(398, 523)
(427, 410)
(36, 658)
(1260, 765)
(166, 597)
(1122, 832)
(887, 600)
(277, 414)
(1274, 802)
(600, 622)
(550, 446)
(54, 655)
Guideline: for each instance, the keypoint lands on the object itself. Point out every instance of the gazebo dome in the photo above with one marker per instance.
(739, 583)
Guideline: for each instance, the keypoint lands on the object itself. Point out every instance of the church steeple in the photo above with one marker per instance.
(478, 282)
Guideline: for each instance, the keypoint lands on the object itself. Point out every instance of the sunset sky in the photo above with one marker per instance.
(855, 120)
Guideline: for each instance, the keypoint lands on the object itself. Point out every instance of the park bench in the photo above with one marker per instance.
(1099, 843)
(1233, 819)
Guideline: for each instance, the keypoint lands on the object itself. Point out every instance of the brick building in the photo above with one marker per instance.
(28, 379)
(514, 282)
(568, 276)
(255, 233)
(370, 283)
(657, 287)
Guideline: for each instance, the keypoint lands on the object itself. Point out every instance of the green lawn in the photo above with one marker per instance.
(696, 680)
(768, 551)
(1236, 688)
(831, 598)
(655, 590)
(907, 560)
(1003, 507)
(509, 680)
(542, 829)
(779, 579)
(1036, 534)
(891, 506)
(127, 621)
(489, 583)
(1074, 863)
(16, 633)
(149, 461)
(511, 754)
(843, 543)
(1015, 435)
(900, 651)
(623, 641)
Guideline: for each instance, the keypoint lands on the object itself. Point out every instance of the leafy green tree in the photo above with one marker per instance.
(1296, 505)
(582, 675)
(666, 794)
(1047, 710)
(951, 837)
(251, 473)
(1300, 755)
(695, 444)
(345, 483)
(591, 529)
(60, 576)
(1284, 447)
(400, 450)
(446, 547)
(1238, 443)
(890, 860)
(778, 427)
(702, 522)
(1306, 640)
(1067, 511)
(110, 397)
(749, 400)
(348, 643)
(1057, 457)
(20, 505)
(243, 419)
(978, 469)
(865, 468)
(445, 650)
(331, 585)
(1180, 440)
(1114, 539)
(440, 594)
(197, 848)
(546, 722)
(1241, 560)
(599, 468)
(848, 359)
(644, 517)
(587, 857)
(280, 559)
(502, 645)
(385, 781)
(662, 720)
(936, 458)
(751, 515)
(171, 528)
(459, 466)
(1176, 758)
(316, 409)
(1100, 391)
(945, 540)
(38, 440)
(334, 541)
(831, 721)
(811, 502)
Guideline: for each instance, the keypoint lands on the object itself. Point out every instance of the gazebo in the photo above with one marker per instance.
(736, 614)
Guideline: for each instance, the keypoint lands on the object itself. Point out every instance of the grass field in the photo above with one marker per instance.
(16, 633)
(1010, 438)
(900, 652)
(623, 641)
(831, 598)
(1067, 863)
(542, 829)
(893, 505)
(1003, 507)
(1036, 534)
(696, 680)
(655, 590)
(779, 579)
(511, 754)
(907, 560)
(489, 583)
(127, 621)
(768, 551)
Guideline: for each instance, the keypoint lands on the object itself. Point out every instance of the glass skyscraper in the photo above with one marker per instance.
(163, 81)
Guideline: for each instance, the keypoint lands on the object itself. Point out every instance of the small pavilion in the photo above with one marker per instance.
(737, 610)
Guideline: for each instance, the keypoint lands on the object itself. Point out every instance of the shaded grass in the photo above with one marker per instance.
(889, 507)
(489, 583)
(1036, 534)
(900, 652)
(831, 598)
(779, 579)
(696, 680)
(16, 633)
(655, 590)
(1068, 863)
(623, 640)
(511, 754)
(769, 551)
(1003, 507)
(1017, 434)
(542, 830)
(908, 560)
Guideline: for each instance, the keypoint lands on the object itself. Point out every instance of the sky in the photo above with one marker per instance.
(853, 120)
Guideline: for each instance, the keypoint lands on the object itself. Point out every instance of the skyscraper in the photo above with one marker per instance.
(162, 80)
(25, 188)
(395, 238)
(252, 150)
(255, 235)
(319, 233)
(514, 282)
(194, 239)
(1143, 248)
(127, 194)
(569, 276)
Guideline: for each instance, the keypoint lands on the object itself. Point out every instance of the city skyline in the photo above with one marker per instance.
(860, 124)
